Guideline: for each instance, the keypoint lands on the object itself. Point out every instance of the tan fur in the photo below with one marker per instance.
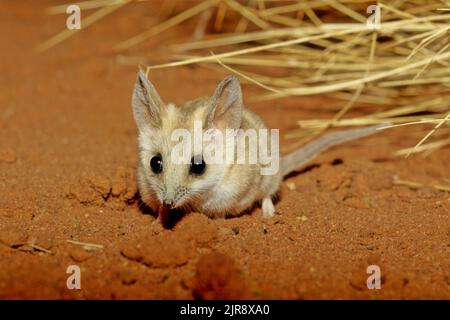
(223, 190)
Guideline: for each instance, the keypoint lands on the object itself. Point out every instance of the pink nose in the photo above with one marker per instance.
(168, 204)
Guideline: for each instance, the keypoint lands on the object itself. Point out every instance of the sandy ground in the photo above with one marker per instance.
(67, 164)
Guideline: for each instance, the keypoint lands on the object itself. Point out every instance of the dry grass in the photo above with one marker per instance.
(398, 73)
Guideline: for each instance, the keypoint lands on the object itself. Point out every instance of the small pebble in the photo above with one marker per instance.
(290, 185)
(225, 232)
(79, 255)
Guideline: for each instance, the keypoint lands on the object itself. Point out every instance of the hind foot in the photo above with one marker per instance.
(268, 209)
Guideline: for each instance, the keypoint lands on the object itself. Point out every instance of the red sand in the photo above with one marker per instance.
(67, 163)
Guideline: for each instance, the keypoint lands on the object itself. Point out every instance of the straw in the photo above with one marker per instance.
(398, 73)
(89, 20)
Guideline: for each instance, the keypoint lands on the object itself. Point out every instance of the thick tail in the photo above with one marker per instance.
(302, 156)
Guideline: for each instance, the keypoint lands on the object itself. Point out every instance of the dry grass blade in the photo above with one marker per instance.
(417, 185)
(247, 13)
(252, 80)
(83, 5)
(410, 184)
(167, 24)
(429, 134)
(255, 49)
(424, 147)
(86, 245)
(94, 17)
(354, 83)
(321, 47)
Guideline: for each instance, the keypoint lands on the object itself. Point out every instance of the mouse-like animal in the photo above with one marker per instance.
(214, 189)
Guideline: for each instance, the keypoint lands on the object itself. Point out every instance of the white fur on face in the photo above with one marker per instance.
(175, 176)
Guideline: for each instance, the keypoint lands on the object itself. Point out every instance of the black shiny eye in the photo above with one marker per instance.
(156, 164)
(198, 166)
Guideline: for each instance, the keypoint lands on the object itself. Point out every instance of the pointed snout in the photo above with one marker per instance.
(174, 198)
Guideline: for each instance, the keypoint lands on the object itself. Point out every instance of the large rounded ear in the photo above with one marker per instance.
(226, 105)
(146, 103)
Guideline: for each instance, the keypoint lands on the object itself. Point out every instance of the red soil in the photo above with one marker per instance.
(67, 163)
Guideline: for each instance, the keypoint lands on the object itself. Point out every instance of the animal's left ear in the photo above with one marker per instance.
(226, 105)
